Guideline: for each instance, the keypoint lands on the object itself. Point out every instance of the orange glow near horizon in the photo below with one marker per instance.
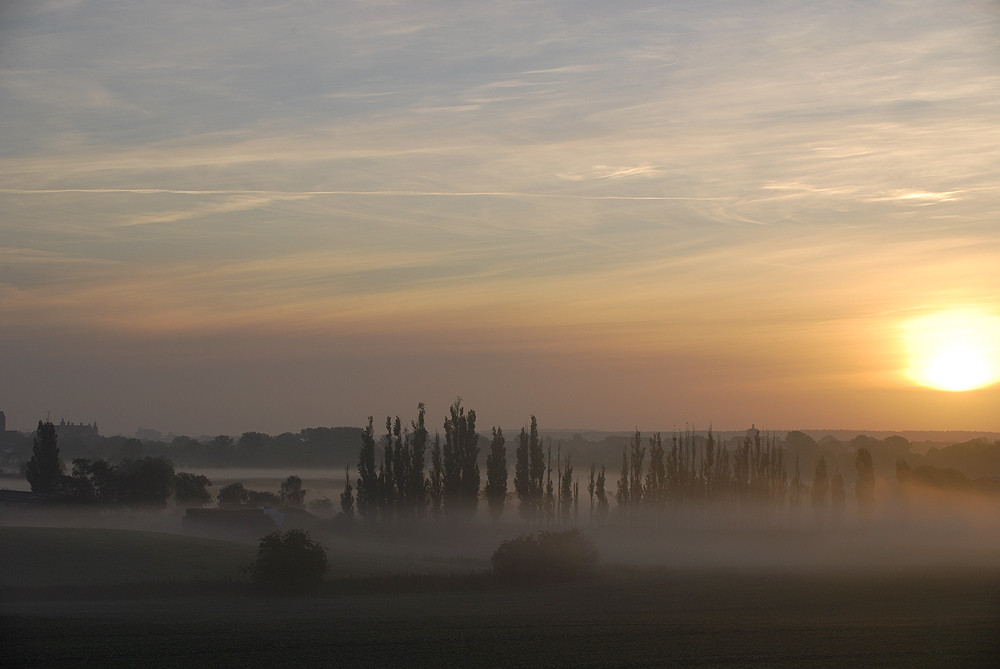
(954, 351)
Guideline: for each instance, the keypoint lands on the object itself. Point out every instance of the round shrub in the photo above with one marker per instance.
(545, 556)
(289, 561)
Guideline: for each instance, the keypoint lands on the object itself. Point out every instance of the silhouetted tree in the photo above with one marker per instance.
(291, 492)
(496, 474)
(550, 492)
(637, 455)
(94, 481)
(656, 477)
(416, 486)
(708, 483)
(522, 476)
(435, 483)
(144, 482)
(191, 488)
(253, 447)
(400, 485)
(44, 469)
(566, 490)
(622, 494)
(131, 449)
(602, 496)
(289, 561)
(546, 556)
(388, 479)
(529, 472)
(221, 450)
(233, 494)
(367, 476)
(263, 498)
(536, 470)
(461, 461)
(347, 497)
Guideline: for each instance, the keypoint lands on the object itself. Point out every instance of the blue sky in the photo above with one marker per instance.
(236, 216)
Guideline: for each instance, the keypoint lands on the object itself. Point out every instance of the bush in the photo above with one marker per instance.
(289, 561)
(546, 556)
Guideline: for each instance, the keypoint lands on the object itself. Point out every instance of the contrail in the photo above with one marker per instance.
(310, 193)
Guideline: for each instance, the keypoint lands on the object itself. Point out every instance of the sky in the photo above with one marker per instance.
(230, 216)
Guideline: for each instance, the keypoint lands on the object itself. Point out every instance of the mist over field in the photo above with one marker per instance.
(699, 565)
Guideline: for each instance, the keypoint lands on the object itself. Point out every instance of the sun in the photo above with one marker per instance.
(953, 350)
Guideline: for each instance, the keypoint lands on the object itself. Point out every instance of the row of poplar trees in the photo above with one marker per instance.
(679, 474)
(395, 486)
(398, 488)
(752, 475)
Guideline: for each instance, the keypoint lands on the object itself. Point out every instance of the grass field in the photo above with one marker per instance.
(625, 617)
(49, 557)
(621, 619)
(46, 556)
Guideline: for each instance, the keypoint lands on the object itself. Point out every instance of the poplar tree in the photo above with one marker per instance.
(602, 496)
(621, 494)
(638, 454)
(536, 457)
(44, 469)
(416, 484)
(656, 476)
(435, 482)
(461, 461)
(708, 467)
(391, 461)
(347, 497)
(367, 476)
(566, 491)
(529, 472)
(496, 474)
(522, 476)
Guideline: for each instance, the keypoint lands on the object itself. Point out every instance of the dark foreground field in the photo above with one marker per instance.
(118, 598)
(621, 619)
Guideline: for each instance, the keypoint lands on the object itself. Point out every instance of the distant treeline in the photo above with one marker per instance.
(326, 447)
(406, 472)
(310, 447)
(403, 473)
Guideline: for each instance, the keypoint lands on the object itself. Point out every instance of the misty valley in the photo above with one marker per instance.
(447, 547)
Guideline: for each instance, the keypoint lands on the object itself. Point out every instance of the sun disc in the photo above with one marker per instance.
(954, 350)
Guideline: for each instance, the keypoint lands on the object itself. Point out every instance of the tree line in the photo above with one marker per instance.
(392, 483)
(309, 447)
(142, 481)
(406, 474)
